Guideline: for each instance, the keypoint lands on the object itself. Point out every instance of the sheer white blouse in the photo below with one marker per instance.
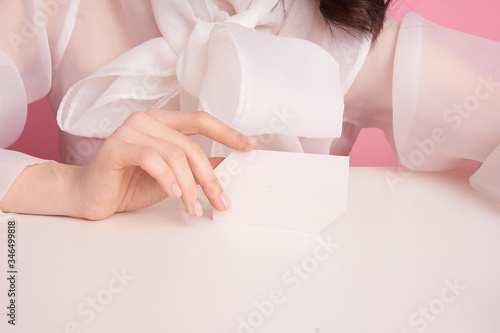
(272, 70)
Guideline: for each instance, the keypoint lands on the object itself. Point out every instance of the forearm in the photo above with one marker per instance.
(43, 189)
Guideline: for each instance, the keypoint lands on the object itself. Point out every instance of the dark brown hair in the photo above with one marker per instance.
(360, 18)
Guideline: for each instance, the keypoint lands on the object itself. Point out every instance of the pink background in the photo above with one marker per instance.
(476, 17)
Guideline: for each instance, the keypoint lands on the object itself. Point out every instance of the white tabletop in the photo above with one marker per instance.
(423, 256)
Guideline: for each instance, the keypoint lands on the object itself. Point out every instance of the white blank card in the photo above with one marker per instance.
(292, 191)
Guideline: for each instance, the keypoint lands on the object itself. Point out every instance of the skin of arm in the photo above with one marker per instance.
(371, 91)
(44, 189)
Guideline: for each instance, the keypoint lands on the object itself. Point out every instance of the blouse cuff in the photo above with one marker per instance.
(486, 180)
(13, 163)
(260, 83)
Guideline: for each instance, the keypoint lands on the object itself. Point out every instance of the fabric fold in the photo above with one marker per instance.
(260, 83)
(13, 102)
(486, 180)
(257, 82)
(141, 79)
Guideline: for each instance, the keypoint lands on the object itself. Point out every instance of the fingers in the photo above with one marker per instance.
(168, 141)
(201, 122)
(174, 160)
(162, 160)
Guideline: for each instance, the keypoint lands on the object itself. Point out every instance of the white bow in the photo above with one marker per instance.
(254, 81)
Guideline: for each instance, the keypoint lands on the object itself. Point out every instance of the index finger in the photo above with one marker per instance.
(201, 122)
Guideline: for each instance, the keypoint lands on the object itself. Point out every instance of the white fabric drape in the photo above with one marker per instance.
(243, 76)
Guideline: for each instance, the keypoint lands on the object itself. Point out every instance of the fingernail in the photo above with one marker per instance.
(225, 201)
(198, 210)
(248, 139)
(176, 190)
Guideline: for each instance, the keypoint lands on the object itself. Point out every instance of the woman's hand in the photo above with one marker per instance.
(145, 160)
(150, 157)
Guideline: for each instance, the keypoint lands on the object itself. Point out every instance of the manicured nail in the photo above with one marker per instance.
(225, 201)
(198, 210)
(248, 139)
(176, 190)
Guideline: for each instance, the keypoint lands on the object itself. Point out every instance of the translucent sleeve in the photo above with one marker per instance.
(446, 101)
(25, 67)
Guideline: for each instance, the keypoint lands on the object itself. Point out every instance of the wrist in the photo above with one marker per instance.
(43, 189)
